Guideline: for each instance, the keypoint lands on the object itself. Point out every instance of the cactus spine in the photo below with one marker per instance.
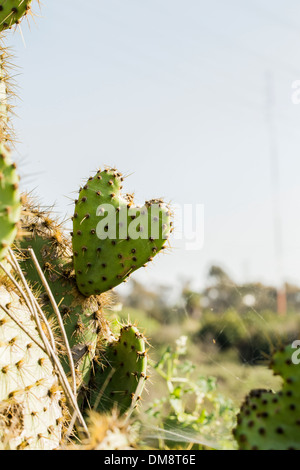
(108, 431)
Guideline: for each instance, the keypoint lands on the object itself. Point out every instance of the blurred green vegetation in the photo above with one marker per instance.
(230, 330)
(221, 317)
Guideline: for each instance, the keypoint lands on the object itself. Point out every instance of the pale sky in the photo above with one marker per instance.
(174, 94)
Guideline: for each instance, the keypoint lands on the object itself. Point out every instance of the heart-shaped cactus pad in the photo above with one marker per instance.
(112, 237)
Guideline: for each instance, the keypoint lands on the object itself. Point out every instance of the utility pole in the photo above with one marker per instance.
(275, 187)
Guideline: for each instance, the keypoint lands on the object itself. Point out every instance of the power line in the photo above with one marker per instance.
(275, 184)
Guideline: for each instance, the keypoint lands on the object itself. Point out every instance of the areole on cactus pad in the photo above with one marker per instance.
(112, 237)
(11, 12)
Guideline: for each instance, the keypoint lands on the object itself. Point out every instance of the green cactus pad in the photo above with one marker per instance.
(31, 415)
(119, 380)
(112, 237)
(10, 202)
(271, 421)
(11, 12)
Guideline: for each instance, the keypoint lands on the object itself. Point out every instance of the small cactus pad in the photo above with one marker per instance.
(271, 421)
(31, 415)
(10, 202)
(11, 12)
(111, 236)
(119, 380)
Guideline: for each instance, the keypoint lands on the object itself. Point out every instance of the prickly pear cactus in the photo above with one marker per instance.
(122, 374)
(10, 201)
(31, 415)
(12, 11)
(83, 317)
(271, 421)
(112, 237)
(32, 406)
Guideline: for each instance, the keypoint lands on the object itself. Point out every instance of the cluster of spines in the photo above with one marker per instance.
(108, 431)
